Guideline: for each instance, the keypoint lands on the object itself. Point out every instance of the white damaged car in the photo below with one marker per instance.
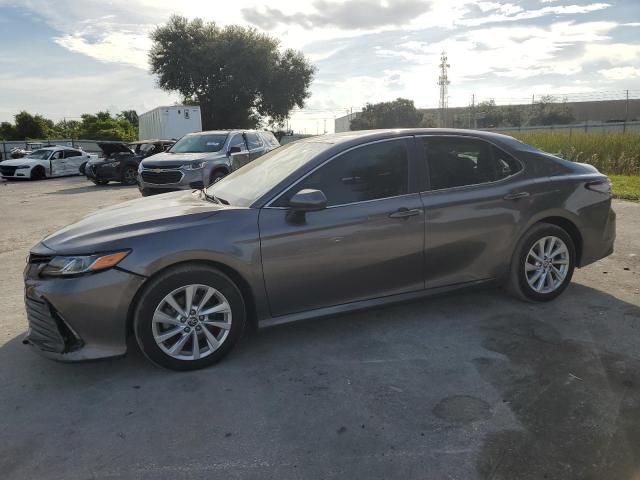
(55, 161)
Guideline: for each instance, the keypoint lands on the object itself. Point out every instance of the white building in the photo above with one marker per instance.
(165, 123)
(343, 124)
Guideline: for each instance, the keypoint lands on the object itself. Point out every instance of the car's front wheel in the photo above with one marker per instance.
(129, 175)
(189, 317)
(37, 173)
(543, 263)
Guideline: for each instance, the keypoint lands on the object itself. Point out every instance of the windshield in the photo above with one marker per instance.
(212, 142)
(40, 154)
(249, 183)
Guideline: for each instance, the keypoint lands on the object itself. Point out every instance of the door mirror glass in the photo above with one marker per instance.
(308, 200)
(234, 149)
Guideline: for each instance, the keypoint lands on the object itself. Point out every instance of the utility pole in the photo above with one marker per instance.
(325, 125)
(626, 114)
(473, 110)
(443, 81)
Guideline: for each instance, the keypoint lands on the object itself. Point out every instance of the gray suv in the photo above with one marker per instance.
(199, 159)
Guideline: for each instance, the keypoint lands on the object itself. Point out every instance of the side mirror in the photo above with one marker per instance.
(235, 149)
(308, 200)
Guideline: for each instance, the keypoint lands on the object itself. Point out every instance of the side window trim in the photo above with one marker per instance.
(425, 161)
(312, 171)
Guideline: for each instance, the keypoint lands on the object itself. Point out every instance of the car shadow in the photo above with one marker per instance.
(91, 188)
(546, 390)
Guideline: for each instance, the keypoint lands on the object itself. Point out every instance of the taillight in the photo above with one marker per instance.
(600, 186)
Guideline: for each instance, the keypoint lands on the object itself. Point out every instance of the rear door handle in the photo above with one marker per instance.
(405, 213)
(515, 195)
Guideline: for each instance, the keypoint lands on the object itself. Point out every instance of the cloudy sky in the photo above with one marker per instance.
(65, 57)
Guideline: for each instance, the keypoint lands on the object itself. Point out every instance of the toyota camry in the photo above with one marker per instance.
(324, 225)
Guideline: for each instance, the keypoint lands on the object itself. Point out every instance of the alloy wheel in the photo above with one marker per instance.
(547, 264)
(191, 322)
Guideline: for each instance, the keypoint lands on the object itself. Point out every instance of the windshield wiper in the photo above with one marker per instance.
(213, 198)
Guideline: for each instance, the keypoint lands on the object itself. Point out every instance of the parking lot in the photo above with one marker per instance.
(470, 385)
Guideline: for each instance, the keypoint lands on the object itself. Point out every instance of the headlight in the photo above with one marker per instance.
(114, 163)
(75, 265)
(193, 166)
(22, 166)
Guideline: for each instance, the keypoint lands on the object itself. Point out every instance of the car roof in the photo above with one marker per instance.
(57, 147)
(361, 136)
(227, 132)
(157, 140)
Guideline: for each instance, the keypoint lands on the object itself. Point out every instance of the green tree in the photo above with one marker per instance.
(131, 116)
(238, 75)
(547, 111)
(7, 131)
(396, 114)
(488, 114)
(102, 126)
(31, 126)
(512, 116)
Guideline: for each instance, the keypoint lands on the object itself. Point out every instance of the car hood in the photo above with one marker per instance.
(105, 229)
(19, 161)
(110, 148)
(167, 158)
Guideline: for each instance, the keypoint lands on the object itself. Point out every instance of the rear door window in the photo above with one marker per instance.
(458, 162)
(238, 141)
(253, 140)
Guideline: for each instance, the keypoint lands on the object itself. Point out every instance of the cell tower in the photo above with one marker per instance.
(443, 81)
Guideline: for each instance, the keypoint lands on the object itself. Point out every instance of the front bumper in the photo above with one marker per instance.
(80, 318)
(12, 172)
(101, 171)
(170, 179)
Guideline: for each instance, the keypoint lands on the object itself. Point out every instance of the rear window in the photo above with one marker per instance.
(270, 139)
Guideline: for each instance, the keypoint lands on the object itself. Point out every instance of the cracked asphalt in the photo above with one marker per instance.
(473, 385)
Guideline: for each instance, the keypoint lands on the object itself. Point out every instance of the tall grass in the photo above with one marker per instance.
(611, 153)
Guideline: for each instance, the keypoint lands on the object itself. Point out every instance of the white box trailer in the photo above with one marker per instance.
(165, 123)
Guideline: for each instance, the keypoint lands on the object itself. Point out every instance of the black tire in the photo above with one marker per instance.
(167, 282)
(518, 285)
(37, 173)
(100, 182)
(129, 175)
(217, 175)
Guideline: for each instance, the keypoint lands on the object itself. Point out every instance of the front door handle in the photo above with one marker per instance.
(405, 213)
(515, 195)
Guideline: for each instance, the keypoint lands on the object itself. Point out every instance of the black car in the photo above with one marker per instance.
(121, 160)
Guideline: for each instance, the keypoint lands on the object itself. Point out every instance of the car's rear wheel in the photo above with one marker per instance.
(129, 175)
(543, 263)
(37, 173)
(190, 317)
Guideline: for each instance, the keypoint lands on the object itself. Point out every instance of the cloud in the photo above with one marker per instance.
(620, 73)
(498, 12)
(353, 14)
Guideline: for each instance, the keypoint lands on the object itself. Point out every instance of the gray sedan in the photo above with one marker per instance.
(318, 227)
